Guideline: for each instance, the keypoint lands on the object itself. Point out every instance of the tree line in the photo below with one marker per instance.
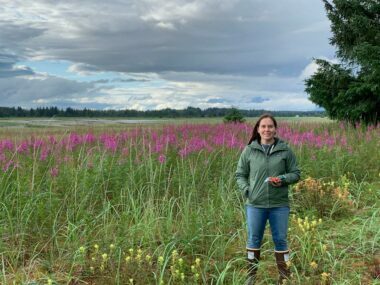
(189, 112)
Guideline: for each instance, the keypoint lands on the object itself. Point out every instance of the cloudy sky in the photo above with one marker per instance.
(153, 54)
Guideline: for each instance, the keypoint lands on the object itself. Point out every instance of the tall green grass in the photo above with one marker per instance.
(56, 230)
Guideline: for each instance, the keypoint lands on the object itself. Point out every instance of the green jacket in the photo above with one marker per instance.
(255, 166)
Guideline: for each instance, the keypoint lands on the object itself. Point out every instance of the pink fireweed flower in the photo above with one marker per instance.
(123, 137)
(110, 144)
(89, 138)
(162, 158)
(183, 152)
(22, 147)
(52, 140)
(37, 143)
(6, 145)
(158, 147)
(54, 171)
(44, 154)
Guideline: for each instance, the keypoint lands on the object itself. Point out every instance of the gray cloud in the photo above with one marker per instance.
(217, 100)
(129, 80)
(258, 99)
(8, 67)
(40, 91)
(63, 104)
(83, 69)
(230, 37)
(251, 54)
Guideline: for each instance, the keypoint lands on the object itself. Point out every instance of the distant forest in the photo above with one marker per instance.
(189, 112)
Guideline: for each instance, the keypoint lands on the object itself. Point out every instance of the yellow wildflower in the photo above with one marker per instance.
(197, 261)
(313, 265)
(325, 275)
(180, 261)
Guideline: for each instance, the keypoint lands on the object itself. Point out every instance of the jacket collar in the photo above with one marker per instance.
(278, 145)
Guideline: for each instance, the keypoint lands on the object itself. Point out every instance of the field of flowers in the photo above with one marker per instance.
(159, 205)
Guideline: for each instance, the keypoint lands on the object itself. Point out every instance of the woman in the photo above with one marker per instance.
(265, 169)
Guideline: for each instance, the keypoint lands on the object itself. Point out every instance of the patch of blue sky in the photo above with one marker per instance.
(60, 68)
(51, 67)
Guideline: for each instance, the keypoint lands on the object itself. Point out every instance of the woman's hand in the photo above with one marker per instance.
(275, 181)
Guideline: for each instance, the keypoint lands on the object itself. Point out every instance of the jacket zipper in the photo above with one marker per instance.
(267, 161)
(267, 154)
(267, 169)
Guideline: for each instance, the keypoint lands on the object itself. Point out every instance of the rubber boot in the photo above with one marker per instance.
(253, 262)
(283, 269)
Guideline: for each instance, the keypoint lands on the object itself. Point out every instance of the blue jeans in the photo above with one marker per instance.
(278, 221)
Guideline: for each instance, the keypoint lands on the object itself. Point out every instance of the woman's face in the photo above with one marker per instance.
(267, 130)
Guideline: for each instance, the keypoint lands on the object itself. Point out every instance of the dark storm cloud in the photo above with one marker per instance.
(20, 91)
(227, 37)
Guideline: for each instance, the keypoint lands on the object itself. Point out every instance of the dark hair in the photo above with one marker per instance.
(255, 133)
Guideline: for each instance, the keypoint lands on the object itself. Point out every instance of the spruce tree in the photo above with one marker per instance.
(350, 90)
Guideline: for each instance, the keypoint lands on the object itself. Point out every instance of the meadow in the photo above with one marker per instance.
(158, 204)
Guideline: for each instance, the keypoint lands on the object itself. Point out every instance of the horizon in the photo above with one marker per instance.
(157, 110)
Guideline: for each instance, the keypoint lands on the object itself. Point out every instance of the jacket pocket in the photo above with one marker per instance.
(249, 191)
(254, 195)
